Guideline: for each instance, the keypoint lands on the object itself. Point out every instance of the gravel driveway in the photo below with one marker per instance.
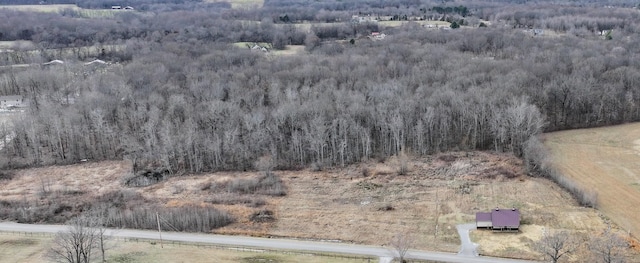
(467, 248)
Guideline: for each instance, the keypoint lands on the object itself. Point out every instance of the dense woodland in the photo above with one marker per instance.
(179, 97)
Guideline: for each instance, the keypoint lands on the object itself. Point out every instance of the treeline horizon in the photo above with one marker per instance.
(184, 99)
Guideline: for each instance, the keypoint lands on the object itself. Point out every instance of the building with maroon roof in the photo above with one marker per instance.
(499, 219)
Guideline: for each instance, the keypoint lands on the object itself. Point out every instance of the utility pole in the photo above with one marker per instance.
(435, 235)
(159, 231)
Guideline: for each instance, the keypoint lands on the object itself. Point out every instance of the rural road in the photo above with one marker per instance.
(288, 244)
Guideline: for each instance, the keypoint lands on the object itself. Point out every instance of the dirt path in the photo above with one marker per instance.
(606, 160)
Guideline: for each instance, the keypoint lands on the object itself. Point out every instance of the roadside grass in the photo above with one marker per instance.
(20, 248)
(16, 247)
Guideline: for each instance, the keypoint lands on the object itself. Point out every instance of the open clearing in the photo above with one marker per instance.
(433, 23)
(16, 247)
(288, 51)
(607, 160)
(87, 13)
(41, 8)
(366, 203)
(242, 4)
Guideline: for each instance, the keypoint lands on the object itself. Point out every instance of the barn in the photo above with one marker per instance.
(499, 219)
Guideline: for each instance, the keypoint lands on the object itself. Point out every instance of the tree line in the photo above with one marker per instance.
(189, 101)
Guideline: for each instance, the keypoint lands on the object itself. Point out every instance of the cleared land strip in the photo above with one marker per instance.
(606, 160)
(287, 244)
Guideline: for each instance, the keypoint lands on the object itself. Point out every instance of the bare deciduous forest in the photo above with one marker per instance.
(179, 96)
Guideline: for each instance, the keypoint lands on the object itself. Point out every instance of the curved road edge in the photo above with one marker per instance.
(273, 243)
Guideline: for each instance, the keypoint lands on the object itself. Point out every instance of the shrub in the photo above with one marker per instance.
(262, 216)
(146, 178)
(365, 172)
(233, 199)
(403, 163)
(6, 175)
(447, 158)
(121, 199)
(267, 184)
(187, 218)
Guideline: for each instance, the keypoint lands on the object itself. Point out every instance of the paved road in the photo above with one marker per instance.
(467, 248)
(272, 243)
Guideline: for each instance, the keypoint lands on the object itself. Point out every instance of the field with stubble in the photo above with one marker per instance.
(365, 203)
(606, 160)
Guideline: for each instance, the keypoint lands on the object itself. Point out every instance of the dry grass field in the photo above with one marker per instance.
(18, 44)
(607, 160)
(25, 249)
(41, 8)
(434, 23)
(241, 4)
(87, 13)
(365, 203)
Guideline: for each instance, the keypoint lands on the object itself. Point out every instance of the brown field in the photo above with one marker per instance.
(419, 22)
(608, 161)
(242, 4)
(87, 13)
(365, 203)
(20, 248)
(41, 8)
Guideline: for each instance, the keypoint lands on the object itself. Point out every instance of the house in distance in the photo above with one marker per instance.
(499, 219)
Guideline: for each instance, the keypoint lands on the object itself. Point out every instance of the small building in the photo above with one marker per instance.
(377, 36)
(483, 220)
(11, 101)
(96, 62)
(53, 62)
(499, 219)
(116, 7)
(128, 7)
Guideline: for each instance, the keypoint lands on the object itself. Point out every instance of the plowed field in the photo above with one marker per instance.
(607, 160)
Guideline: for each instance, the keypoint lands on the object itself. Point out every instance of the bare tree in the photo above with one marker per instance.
(608, 247)
(555, 245)
(98, 217)
(75, 245)
(403, 163)
(401, 242)
(264, 164)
